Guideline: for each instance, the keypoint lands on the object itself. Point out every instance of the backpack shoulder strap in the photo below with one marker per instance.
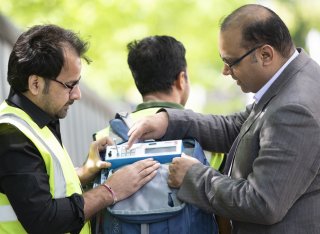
(126, 118)
(120, 125)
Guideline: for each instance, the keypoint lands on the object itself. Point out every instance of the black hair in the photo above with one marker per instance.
(260, 26)
(155, 63)
(39, 51)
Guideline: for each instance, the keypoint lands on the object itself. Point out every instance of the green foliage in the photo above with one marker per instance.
(110, 25)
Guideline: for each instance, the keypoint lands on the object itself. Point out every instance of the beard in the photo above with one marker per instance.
(62, 113)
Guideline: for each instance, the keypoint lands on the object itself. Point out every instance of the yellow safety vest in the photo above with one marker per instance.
(215, 159)
(63, 179)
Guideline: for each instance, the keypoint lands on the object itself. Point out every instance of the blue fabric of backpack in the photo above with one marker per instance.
(155, 208)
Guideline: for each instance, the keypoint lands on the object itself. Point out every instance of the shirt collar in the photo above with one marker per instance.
(264, 89)
(151, 104)
(40, 117)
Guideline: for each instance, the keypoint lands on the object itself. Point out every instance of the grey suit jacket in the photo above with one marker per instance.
(274, 185)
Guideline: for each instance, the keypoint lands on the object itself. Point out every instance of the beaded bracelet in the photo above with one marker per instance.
(112, 193)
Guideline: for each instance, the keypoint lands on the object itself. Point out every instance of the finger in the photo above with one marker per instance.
(139, 131)
(171, 182)
(183, 155)
(102, 164)
(171, 168)
(137, 135)
(102, 143)
(171, 176)
(147, 178)
(94, 146)
(143, 161)
(134, 135)
(148, 170)
(132, 129)
(176, 159)
(109, 141)
(142, 164)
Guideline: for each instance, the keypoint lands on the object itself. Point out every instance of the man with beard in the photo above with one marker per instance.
(40, 191)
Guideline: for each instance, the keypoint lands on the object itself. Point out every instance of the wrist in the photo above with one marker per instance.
(85, 174)
(110, 190)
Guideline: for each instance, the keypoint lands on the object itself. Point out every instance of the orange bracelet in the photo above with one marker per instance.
(112, 193)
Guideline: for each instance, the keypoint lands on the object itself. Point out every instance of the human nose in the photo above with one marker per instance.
(75, 93)
(226, 70)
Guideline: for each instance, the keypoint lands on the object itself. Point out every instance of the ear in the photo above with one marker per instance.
(34, 84)
(180, 82)
(267, 54)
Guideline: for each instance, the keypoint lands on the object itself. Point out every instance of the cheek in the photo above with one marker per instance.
(254, 84)
(60, 98)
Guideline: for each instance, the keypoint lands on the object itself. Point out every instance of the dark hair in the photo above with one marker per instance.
(39, 51)
(155, 63)
(260, 25)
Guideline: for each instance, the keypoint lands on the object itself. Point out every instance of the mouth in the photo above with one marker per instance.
(68, 104)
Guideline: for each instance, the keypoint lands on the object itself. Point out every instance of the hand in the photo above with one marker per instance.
(151, 127)
(129, 179)
(178, 169)
(93, 163)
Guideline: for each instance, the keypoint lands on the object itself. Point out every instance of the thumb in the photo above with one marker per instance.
(183, 155)
(102, 164)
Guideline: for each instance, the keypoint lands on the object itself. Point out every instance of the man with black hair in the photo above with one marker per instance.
(274, 160)
(40, 191)
(159, 68)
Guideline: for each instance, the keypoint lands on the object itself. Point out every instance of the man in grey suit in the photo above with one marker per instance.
(273, 184)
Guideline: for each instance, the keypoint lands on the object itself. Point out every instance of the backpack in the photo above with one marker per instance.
(154, 208)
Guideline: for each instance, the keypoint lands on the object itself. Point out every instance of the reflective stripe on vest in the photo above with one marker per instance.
(7, 214)
(63, 179)
(59, 180)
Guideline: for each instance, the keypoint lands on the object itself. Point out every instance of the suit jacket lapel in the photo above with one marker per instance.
(261, 107)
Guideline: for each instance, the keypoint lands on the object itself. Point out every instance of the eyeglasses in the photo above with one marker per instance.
(230, 65)
(68, 86)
